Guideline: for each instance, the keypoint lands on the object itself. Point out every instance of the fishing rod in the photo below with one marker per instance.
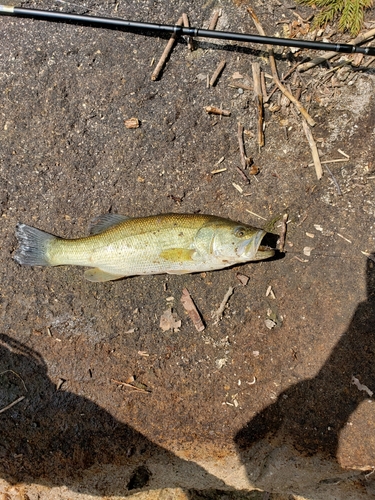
(135, 26)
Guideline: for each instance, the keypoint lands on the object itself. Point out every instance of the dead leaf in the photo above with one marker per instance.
(169, 321)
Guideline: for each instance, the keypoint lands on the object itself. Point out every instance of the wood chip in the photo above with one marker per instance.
(217, 72)
(192, 310)
(307, 251)
(218, 314)
(213, 110)
(132, 123)
(242, 278)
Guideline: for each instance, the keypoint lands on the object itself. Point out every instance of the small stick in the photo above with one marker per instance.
(263, 85)
(218, 314)
(275, 76)
(213, 110)
(12, 404)
(214, 19)
(334, 181)
(243, 175)
(258, 97)
(337, 160)
(292, 69)
(217, 72)
(131, 386)
(314, 150)
(320, 59)
(192, 310)
(281, 242)
(243, 86)
(244, 159)
(256, 215)
(165, 54)
(186, 24)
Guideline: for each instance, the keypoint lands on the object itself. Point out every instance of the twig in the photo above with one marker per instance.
(217, 72)
(218, 314)
(258, 97)
(17, 375)
(131, 386)
(12, 404)
(213, 110)
(244, 159)
(242, 174)
(314, 150)
(281, 242)
(336, 160)
(243, 86)
(329, 55)
(214, 19)
(256, 215)
(334, 181)
(166, 53)
(186, 23)
(292, 69)
(275, 76)
(192, 310)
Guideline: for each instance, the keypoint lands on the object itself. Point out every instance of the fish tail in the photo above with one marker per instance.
(33, 246)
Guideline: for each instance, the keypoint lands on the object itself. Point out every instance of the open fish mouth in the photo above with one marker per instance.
(257, 247)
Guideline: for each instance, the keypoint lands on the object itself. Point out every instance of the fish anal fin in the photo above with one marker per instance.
(178, 271)
(177, 254)
(105, 221)
(98, 276)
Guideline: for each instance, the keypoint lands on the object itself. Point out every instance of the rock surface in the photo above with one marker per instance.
(239, 406)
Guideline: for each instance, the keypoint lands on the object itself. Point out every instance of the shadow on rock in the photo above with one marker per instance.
(303, 426)
(56, 438)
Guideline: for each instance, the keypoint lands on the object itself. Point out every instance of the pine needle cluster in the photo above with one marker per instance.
(351, 12)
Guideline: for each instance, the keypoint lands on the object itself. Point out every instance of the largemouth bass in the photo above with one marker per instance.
(121, 246)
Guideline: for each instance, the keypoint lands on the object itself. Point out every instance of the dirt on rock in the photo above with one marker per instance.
(66, 157)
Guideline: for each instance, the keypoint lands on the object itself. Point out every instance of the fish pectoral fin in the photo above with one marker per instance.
(105, 221)
(177, 254)
(178, 271)
(99, 276)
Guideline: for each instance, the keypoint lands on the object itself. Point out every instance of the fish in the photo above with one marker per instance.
(120, 246)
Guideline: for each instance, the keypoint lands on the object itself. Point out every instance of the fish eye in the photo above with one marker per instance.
(239, 232)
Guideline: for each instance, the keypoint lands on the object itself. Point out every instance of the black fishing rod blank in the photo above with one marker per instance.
(135, 26)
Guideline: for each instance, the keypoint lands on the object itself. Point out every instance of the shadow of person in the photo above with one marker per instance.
(55, 437)
(307, 418)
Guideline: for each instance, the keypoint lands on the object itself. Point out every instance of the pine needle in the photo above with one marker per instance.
(351, 12)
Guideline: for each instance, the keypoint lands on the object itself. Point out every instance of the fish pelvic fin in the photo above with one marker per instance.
(33, 246)
(98, 276)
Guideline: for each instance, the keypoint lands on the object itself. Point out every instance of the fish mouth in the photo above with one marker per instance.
(255, 248)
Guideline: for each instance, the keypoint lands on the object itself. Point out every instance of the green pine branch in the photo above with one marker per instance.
(349, 12)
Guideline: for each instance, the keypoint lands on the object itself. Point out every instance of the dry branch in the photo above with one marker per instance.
(275, 76)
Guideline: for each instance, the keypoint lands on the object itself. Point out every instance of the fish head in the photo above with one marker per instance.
(240, 243)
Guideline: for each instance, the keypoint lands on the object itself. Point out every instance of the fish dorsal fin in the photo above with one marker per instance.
(105, 221)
